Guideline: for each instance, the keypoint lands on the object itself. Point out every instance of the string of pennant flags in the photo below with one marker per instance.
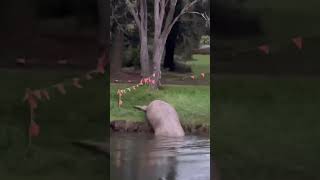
(144, 81)
(265, 48)
(33, 97)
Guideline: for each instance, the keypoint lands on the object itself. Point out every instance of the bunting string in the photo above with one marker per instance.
(33, 97)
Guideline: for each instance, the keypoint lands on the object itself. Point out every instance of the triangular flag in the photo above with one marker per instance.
(34, 129)
(37, 93)
(153, 81)
(101, 64)
(45, 94)
(61, 88)
(76, 83)
(133, 87)
(298, 42)
(120, 102)
(202, 75)
(32, 101)
(119, 92)
(264, 48)
(192, 77)
(129, 89)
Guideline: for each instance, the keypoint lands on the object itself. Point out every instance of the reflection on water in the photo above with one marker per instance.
(145, 157)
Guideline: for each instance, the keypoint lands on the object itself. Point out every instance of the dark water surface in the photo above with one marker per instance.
(145, 157)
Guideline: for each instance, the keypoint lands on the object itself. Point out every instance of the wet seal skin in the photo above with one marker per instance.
(163, 118)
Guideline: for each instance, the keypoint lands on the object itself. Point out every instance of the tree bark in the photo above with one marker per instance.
(144, 54)
(171, 41)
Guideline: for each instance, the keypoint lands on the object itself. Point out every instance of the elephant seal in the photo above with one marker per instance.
(163, 118)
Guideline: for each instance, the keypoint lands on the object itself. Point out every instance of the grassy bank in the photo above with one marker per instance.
(63, 119)
(191, 102)
(267, 129)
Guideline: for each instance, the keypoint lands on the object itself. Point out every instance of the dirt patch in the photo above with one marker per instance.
(143, 127)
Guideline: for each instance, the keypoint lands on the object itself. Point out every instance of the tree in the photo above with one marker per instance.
(138, 10)
(163, 23)
(164, 20)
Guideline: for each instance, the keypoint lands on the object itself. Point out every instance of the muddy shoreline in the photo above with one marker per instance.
(124, 126)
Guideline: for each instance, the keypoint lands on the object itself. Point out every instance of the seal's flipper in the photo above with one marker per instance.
(142, 108)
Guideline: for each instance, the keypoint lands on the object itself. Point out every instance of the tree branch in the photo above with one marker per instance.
(134, 13)
(183, 11)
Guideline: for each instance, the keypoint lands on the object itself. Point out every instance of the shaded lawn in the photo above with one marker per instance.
(76, 116)
(200, 64)
(191, 102)
(267, 129)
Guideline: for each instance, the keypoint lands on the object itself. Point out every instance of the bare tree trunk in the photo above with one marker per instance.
(144, 54)
(157, 56)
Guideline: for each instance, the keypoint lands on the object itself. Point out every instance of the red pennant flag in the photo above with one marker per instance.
(38, 94)
(298, 42)
(32, 102)
(76, 83)
(202, 75)
(264, 48)
(45, 94)
(101, 64)
(61, 88)
(34, 129)
(153, 81)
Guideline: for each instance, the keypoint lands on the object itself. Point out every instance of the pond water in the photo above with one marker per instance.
(145, 157)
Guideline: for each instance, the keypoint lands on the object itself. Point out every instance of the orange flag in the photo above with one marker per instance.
(264, 48)
(45, 94)
(34, 129)
(61, 88)
(100, 65)
(31, 99)
(202, 75)
(298, 42)
(38, 94)
(76, 83)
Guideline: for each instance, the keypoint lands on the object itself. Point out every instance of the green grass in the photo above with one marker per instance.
(200, 64)
(267, 129)
(76, 116)
(191, 102)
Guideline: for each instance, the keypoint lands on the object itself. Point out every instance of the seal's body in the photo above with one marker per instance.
(163, 118)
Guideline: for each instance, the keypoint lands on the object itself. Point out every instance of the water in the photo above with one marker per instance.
(145, 157)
